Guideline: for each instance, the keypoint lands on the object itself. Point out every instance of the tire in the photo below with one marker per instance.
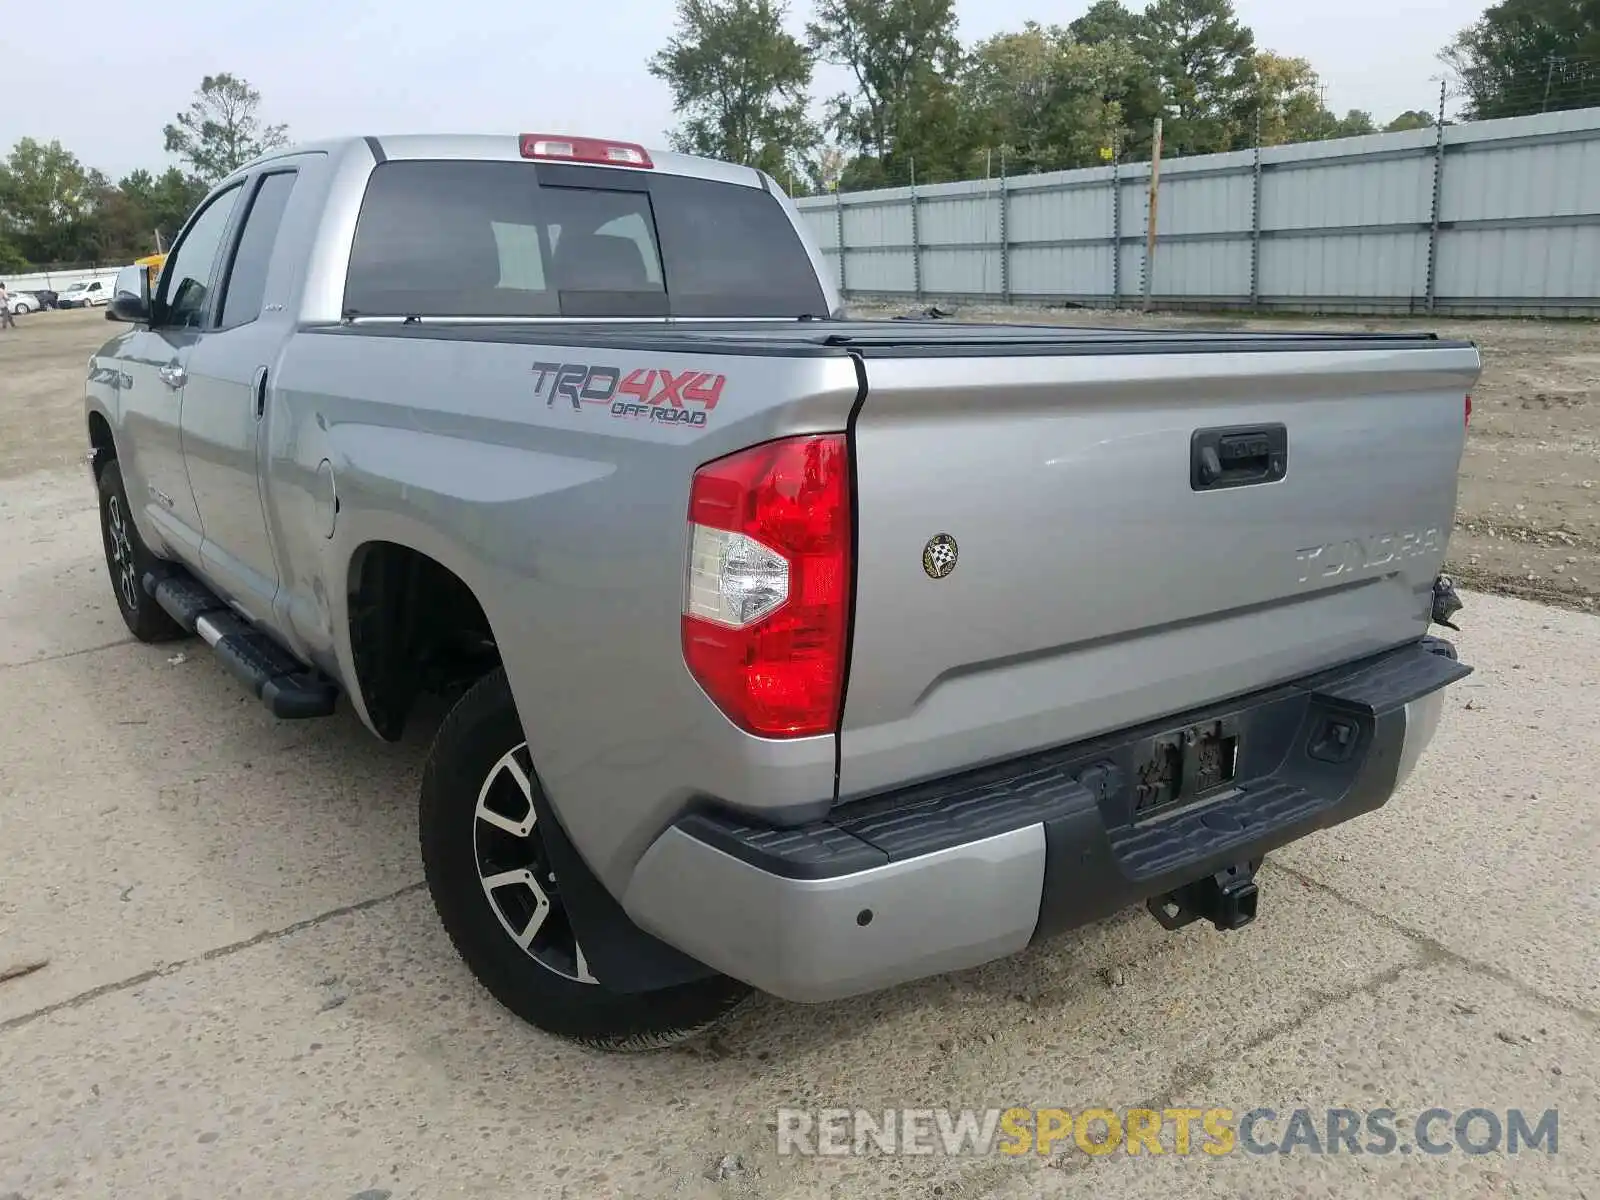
(478, 784)
(127, 560)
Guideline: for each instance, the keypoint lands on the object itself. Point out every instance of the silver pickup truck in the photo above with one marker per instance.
(783, 651)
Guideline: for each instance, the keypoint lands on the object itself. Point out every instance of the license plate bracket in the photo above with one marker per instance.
(1186, 765)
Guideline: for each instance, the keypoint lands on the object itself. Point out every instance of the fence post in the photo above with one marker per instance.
(838, 216)
(1438, 187)
(1116, 231)
(1150, 235)
(1255, 224)
(916, 236)
(1005, 233)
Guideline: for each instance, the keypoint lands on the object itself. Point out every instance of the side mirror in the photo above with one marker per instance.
(130, 297)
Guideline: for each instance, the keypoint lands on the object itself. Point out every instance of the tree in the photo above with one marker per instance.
(164, 201)
(904, 56)
(1288, 97)
(1356, 122)
(1529, 56)
(1051, 101)
(47, 202)
(221, 129)
(12, 261)
(1411, 119)
(1137, 88)
(742, 83)
(120, 230)
(1206, 61)
(1011, 92)
(1107, 21)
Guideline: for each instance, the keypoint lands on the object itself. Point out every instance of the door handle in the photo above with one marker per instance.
(258, 393)
(174, 376)
(1238, 456)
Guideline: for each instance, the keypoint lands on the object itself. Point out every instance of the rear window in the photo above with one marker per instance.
(486, 239)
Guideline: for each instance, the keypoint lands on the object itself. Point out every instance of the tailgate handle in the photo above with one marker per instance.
(1238, 456)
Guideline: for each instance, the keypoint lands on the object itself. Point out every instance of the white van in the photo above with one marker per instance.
(87, 293)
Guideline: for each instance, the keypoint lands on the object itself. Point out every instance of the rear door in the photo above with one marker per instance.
(224, 402)
(1056, 545)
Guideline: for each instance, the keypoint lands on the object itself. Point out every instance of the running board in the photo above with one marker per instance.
(289, 688)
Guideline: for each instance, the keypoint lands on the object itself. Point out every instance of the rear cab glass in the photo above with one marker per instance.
(519, 239)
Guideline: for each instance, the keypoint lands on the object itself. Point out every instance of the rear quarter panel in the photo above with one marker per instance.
(569, 525)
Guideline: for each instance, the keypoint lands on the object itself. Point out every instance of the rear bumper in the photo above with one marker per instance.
(960, 871)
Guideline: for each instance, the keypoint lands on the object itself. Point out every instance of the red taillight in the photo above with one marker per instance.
(586, 150)
(767, 597)
(1468, 420)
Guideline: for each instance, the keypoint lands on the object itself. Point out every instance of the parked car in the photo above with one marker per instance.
(783, 650)
(86, 294)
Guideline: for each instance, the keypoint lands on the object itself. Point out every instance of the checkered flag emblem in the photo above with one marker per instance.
(939, 556)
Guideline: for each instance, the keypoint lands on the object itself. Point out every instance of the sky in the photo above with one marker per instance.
(104, 76)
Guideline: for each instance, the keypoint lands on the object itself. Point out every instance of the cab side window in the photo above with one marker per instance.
(247, 275)
(186, 281)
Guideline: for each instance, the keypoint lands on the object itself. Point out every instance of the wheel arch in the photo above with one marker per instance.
(414, 625)
(102, 442)
(400, 599)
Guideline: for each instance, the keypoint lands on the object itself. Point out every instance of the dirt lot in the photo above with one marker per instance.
(246, 993)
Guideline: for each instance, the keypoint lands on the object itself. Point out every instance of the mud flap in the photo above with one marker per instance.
(1446, 603)
(621, 955)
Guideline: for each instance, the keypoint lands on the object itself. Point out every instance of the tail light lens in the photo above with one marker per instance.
(767, 597)
(1469, 411)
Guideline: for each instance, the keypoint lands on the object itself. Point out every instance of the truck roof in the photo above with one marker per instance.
(497, 147)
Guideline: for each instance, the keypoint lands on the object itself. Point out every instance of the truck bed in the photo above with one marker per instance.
(887, 338)
(1100, 583)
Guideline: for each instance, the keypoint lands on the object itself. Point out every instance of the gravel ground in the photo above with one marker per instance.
(246, 992)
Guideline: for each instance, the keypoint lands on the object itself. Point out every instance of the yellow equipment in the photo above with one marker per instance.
(152, 265)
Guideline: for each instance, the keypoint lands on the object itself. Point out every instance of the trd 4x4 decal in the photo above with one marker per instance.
(672, 397)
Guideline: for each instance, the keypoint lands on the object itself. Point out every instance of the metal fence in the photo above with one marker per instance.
(1489, 218)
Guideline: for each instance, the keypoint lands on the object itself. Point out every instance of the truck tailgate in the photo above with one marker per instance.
(1048, 551)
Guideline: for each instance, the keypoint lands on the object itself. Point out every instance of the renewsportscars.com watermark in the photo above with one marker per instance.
(1214, 1132)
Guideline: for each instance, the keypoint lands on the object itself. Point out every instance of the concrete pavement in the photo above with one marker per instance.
(248, 994)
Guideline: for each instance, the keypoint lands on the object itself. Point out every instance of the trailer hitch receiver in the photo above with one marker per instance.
(1227, 899)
